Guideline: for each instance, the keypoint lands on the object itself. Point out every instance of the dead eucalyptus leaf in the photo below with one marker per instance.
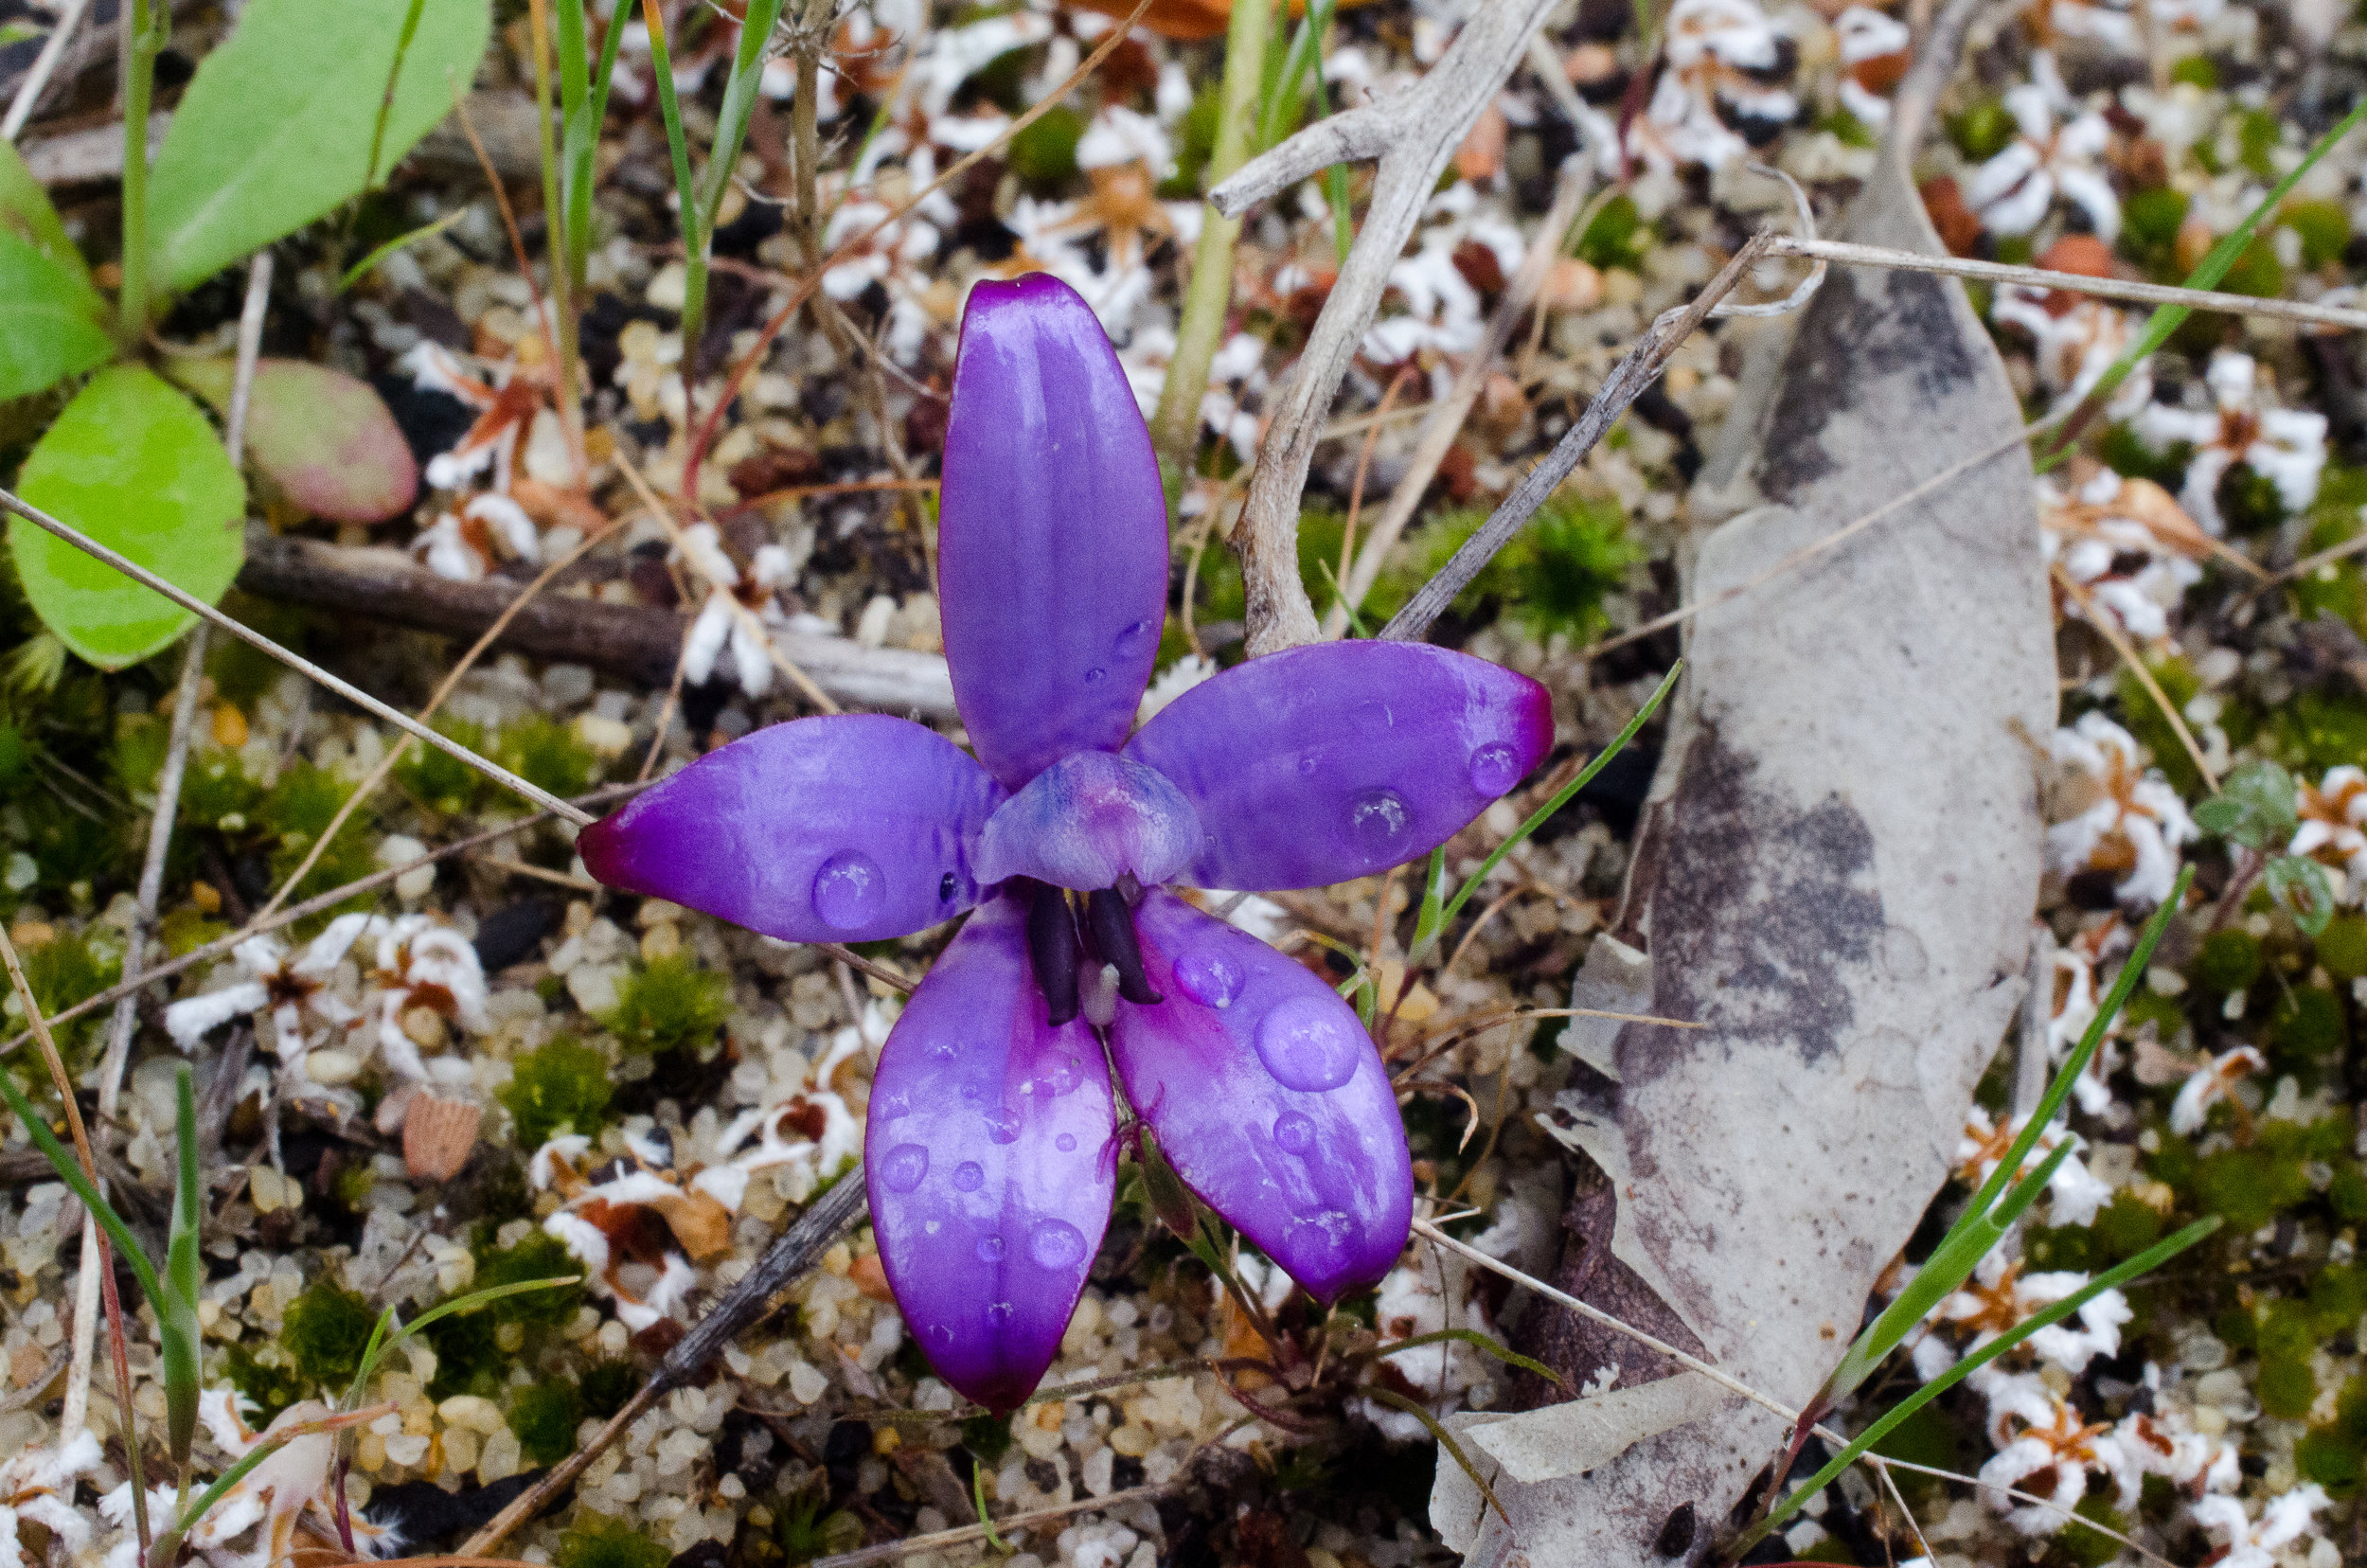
(1835, 874)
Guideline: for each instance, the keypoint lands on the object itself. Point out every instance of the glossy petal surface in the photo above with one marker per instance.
(1268, 1098)
(1339, 759)
(846, 828)
(992, 1165)
(1052, 533)
(1088, 819)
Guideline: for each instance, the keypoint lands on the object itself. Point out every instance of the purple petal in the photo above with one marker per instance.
(1088, 819)
(1339, 759)
(846, 828)
(1051, 532)
(991, 1162)
(1268, 1098)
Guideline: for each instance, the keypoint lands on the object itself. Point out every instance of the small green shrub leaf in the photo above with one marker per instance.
(275, 127)
(52, 322)
(132, 463)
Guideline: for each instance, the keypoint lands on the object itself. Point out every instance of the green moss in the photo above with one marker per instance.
(1982, 130)
(2249, 500)
(2330, 1459)
(69, 849)
(325, 1332)
(439, 781)
(70, 968)
(2325, 229)
(2128, 455)
(2256, 137)
(15, 755)
(544, 1415)
(597, 1543)
(298, 809)
(2229, 961)
(547, 753)
(468, 1357)
(2249, 1186)
(561, 1087)
(2258, 271)
(265, 1378)
(1618, 236)
(669, 1005)
(2197, 70)
(2336, 1297)
(539, 1256)
(217, 793)
(2347, 1194)
(2146, 720)
(186, 929)
(2313, 731)
(1552, 576)
(2307, 1024)
(138, 753)
(2286, 1386)
(2123, 1228)
(241, 671)
(605, 1387)
(1044, 155)
(805, 1526)
(2092, 1548)
(1849, 129)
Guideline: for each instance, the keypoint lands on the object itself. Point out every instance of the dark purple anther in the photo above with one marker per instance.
(990, 1144)
(1111, 922)
(1052, 951)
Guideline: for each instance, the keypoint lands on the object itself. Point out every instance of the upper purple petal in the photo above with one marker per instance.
(846, 828)
(1268, 1098)
(1088, 819)
(992, 1161)
(1051, 532)
(1336, 761)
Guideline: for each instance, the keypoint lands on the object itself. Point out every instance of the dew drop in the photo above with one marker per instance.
(1095, 675)
(1061, 1076)
(1130, 640)
(1495, 768)
(1003, 1125)
(998, 1312)
(942, 1333)
(1065, 1143)
(1055, 1244)
(968, 1176)
(1293, 1133)
(849, 891)
(1379, 822)
(1210, 976)
(905, 1165)
(990, 1249)
(1308, 1043)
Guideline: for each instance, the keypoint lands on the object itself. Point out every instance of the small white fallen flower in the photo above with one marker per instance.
(2211, 1084)
(721, 626)
(2333, 826)
(277, 986)
(2248, 1543)
(2136, 822)
(424, 963)
(2014, 191)
(2048, 1448)
(2246, 425)
(37, 1487)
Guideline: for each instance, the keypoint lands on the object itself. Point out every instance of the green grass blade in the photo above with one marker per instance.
(740, 105)
(370, 264)
(2151, 1258)
(604, 72)
(1480, 1342)
(677, 140)
(1430, 918)
(70, 1170)
(2004, 1196)
(579, 133)
(177, 1326)
(380, 1349)
(2207, 274)
(1445, 1439)
(1545, 813)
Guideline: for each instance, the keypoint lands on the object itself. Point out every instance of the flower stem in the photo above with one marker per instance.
(143, 41)
(1175, 426)
(561, 265)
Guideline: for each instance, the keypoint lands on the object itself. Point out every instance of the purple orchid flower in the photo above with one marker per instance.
(993, 1135)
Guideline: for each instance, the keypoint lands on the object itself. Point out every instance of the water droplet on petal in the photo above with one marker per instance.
(1130, 640)
(1055, 1244)
(1379, 822)
(998, 1312)
(942, 1333)
(1061, 1076)
(1495, 768)
(1293, 1133)
(990, 1249)
(1210, 976)
(1308, 1043)
(849, 891)
(905, 1165)
(968, 1176)
(1065, 1143)
(1095, 675)
(1003, 1125)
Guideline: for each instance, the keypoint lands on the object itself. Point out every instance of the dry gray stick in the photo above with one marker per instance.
(1446, 419)
(37, 81)
(1412, 133)
(1627, 382)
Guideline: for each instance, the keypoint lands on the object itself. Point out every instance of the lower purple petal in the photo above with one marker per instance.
(848, 828)
(1088, 819)
(1268, 1098)
(991, 1161)
(1337, 760)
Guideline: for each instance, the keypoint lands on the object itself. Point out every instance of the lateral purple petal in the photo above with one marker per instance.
(1051, 532)
(1268, 1098)
(1341, 759)
(990, 1155)
(1088, 819)
(846, 828)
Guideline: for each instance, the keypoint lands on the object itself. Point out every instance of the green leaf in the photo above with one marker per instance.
(25, 212)
(2255, 808)
(323, 437)
(52, 322)
(2302, 885)
(133, 464)
(275, 127)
